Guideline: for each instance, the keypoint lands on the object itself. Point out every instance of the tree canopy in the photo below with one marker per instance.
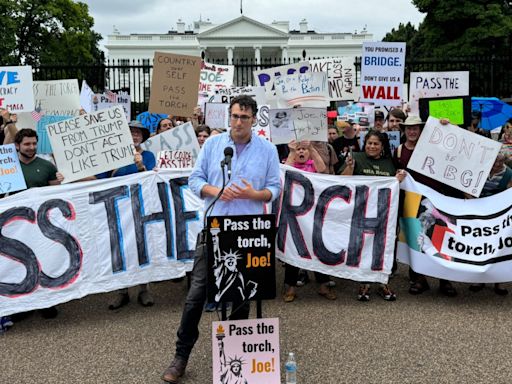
(458, 28)
(47, 31)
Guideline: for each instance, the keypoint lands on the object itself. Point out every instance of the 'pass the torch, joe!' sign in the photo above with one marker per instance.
(241, 258)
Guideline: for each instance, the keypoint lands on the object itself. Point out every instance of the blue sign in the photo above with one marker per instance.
(43, 141)
(11, 175)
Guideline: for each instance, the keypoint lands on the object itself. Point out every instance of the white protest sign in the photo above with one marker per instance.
(91, 144)
(303, 89)
(262, 125)
(224, 95)
(454, 156)
(216, 115)
(103, 101)
(298, 124)
(382, 73)
(246, 351)
(466, 240)
(341, 76)
(53, 97)
(266, 77)
(436, 84)
(177, 159)
(92, 237)
(86, 95)
(11, 174)
(182, 137)
(215, 76)
(16, 89)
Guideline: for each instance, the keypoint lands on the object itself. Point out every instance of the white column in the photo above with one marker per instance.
(230, 55)
(284, 54)
(257, 54)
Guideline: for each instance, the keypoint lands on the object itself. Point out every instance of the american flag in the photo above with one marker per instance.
(36, 116)
(111, 96)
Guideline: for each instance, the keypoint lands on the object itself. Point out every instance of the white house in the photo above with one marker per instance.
(240, 38)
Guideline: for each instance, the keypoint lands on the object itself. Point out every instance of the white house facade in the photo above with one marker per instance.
(242, 38)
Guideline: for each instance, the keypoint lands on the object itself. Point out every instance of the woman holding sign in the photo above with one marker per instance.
(374, 161)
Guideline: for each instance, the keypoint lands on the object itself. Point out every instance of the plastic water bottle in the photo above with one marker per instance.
(291, 369)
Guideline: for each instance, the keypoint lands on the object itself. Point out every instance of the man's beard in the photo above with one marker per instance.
(24, 154)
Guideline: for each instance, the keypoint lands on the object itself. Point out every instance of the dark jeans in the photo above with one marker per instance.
(188, 331)
(291, 274)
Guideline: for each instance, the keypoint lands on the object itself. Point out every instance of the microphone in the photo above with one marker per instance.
(228, 153)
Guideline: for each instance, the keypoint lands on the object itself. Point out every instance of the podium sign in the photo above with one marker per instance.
(241, 258)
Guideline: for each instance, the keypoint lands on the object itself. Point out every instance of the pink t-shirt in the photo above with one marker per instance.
(308, 166)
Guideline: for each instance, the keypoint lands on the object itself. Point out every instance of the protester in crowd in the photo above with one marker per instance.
(256, 182)
(374, 161)
(348, 141)
(143, 161)
(37, 173)
(164, 125)
(197, 117)
(505, 137)
(303, 156)
(395, 117)
(412, 128)
(332, 134)
(202, 133)
(379, 121)
(499, 180)
(476, 116)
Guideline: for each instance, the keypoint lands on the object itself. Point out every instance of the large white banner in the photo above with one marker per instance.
(341, 76)
(467, 240)
(91, 144)
(60, 243)
(454, 156)
(298, 124)
(53, 97)
(340, 226)
(304, 89)
(436, 84)
(382, 73)
(16, 89)
(182, 137)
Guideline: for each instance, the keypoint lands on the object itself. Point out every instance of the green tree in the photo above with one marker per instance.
(47, 31)
(460, 28)
(404, 33)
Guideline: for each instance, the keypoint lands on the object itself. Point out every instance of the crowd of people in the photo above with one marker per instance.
(341, 154)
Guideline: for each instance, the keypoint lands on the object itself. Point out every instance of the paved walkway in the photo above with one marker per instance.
(423, 339)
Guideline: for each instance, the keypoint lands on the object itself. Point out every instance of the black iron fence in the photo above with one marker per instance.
(489, 75)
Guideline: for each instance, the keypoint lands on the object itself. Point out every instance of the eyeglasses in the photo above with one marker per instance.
(243, 118)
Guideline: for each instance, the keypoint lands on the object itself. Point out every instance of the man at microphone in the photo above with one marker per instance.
(251, 170)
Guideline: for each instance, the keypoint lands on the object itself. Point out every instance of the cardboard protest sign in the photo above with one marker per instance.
(266, 77)
(53, 97)
(456, 109)
(95, 236)
(174, 84)
(182, 137)
(86, 95)
(303, 89)
(11, 174)
(106, 100)
(241, 258)
(150, 120)
(91, 144)
(177, 159)
(43, 141)
(16, 89)
(458, 240)
(216, 115)
(382, 72)
(298, 124)
(341, 76)
(215, 76)
(224, 95)
(436, 84)
(246, 351)
(454, 156)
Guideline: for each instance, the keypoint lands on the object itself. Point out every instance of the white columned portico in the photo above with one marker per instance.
(230, 55)
(257, 53)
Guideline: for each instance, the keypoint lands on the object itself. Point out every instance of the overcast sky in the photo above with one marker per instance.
(159, 16)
